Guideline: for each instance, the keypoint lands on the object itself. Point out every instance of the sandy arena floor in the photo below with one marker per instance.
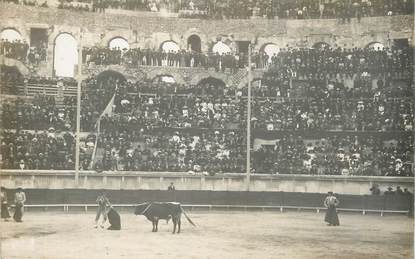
(51, 235)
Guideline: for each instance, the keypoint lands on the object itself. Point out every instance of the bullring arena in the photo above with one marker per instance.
(219, 234)
(282, 129)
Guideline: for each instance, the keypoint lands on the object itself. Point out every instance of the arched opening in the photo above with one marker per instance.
(65, 55)
(169, 46)
(270, 49)
(377, 46)
(10, 35)
(194, 43)
(211, 86)
(321, 45)
(118, 43)
(99, 92)
(110, 75)
(164, 79)
(221, 48)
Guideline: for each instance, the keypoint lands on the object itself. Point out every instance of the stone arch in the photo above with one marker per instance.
(196, 78)
(110, 72)
(220, 48)
(320, 45)
(203, 38)
(65, 55)
(11, 34)
(169, 45)
(118, 41)
(376, 45)
(164, 78)
(212, 80)
(270, 49)
(194, 43)
(166, 72)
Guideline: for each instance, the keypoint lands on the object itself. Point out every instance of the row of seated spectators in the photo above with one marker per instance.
(224, 151)
(43, 150)
(210, 152)
(299, 9)
(270, 86)
(164, 105)
(304, 63)
(40, 113)
(245, 9)
(289, 114)
(21, 51)
(335, 155)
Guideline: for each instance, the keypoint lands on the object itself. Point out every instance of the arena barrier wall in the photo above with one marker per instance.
(49, 179)
(70, 197)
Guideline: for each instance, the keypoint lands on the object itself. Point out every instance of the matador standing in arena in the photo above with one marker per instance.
(103, 207)
(331, 203)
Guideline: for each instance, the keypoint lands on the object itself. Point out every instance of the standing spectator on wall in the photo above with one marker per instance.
(19, 200)
(171, 187)
(4, 204)
(389, 191)
(103, 205)
(331, 203)
(375, 189)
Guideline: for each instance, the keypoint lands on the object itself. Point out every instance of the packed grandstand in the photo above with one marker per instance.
(318, 110)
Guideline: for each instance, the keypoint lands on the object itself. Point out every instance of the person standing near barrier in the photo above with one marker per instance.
(19, 200)
(331, 203)
(103, 206)
(4, 204)
(410, 198)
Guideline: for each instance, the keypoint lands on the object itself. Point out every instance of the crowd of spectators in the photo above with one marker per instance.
(300, 63)
(148, 57)
(43, 150)
(352, 92)
(21, 51)
(40, 113)
(320, 63)
(334, 114)
(343, 10)
(10, 79)
(185, 152)
(336, 155)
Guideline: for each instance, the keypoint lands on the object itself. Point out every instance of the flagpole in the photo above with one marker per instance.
(78, 110)
(248, 124)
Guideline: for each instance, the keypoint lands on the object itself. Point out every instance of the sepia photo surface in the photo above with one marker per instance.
(207, 129)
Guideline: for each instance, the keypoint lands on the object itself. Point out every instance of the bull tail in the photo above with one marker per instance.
(187, 217)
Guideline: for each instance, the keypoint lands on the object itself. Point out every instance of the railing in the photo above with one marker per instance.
(162, 174)
(211, 207)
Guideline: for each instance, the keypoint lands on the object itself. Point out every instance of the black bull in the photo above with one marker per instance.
(154, 211)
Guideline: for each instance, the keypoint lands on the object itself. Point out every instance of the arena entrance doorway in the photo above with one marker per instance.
(211, 86)
(65, 55)
(194, 43)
